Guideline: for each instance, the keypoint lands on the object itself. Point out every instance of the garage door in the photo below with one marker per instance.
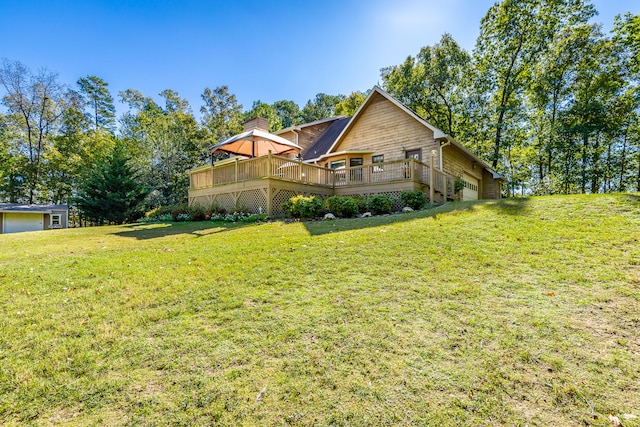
(17, 222)
(470, 191)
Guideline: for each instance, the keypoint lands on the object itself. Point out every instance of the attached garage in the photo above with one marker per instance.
(471, 187)
(16, 218)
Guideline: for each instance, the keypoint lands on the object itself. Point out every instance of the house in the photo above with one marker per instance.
(384, 148)
(15, 217)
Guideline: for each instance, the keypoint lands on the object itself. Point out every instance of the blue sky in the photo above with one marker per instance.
(267, 50)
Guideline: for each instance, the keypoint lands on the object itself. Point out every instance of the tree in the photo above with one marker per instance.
(221, 114)
(588, 122)
(111, 193)
(433, 84)
(513, 35)
(627, 39)
(321, 107)
(266, 111)
(96, 95)
(33, 103)
(288, 111)
(349, 105)
(12, 165)
(166, 142)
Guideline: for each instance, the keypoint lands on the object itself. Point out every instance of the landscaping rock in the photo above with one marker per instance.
(329, 217)
(407, 209)
(366, 215)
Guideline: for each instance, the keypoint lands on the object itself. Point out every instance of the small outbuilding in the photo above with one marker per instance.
(16, 217)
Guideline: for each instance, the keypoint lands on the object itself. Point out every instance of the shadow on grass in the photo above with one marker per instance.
(505, 206)
(631, 197)
(316, 228)
(164, 229)
(511, 206)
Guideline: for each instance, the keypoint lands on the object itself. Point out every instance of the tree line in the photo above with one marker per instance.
(546, 97)
(55, 138)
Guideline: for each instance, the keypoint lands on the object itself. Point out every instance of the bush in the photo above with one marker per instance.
(159, 212)
(303, 207)
(344, 207)
(361, 201)
(415, 199)
(197, 213)
(180, 211)
(458, 185)
(380, 204)
(238, 216)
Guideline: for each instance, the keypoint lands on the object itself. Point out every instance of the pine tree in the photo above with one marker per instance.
(111, 194)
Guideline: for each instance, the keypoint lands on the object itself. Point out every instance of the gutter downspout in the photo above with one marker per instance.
(443, 145)
(296, 142)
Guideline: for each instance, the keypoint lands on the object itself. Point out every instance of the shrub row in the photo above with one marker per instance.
(214, 212)
(347, 207)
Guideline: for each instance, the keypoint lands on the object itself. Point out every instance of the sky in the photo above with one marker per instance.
(263, 50)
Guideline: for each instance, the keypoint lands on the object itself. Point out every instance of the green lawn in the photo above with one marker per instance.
(518, 312)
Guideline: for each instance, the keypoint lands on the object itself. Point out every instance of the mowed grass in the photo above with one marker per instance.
(517, 312)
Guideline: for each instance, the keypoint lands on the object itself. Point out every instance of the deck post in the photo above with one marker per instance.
(269, 165)
(432, 177)
(236, 177)
(270, 192)
(299, 170)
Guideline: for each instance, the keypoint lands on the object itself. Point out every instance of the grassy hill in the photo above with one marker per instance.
(517, 312)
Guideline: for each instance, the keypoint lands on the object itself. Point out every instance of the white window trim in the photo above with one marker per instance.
(59, 216)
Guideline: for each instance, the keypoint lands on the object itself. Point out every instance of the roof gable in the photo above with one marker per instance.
(437, 133)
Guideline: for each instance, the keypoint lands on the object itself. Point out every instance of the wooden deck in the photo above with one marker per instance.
(264, 183)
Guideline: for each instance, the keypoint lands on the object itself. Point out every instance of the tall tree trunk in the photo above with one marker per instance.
(623, 160)
(585, 145)
(595, 166)
(607, 173)
(496, 148)
(638, 187)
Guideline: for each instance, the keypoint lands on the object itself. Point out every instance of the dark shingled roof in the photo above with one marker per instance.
(18, 207)
(325, 140)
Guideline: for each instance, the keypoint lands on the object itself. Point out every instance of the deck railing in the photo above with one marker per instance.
(277, 167)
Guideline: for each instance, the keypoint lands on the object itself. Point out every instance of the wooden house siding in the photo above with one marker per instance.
(456, 162)
(306, 135)
(387, 130)
(492, 187)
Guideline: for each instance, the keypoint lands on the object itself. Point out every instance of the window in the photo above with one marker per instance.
(413, 154)
(470, 186)
(339, 174)
(56, 220)
(355, 174)
(378, 159)
(338, 164)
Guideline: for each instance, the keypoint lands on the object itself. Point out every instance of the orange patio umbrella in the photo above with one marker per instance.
(255, 143)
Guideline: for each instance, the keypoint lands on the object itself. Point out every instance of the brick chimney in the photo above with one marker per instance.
(256, 123)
